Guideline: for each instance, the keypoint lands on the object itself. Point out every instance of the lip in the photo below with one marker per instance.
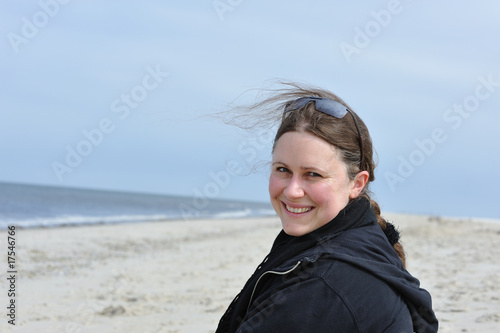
(284, 205)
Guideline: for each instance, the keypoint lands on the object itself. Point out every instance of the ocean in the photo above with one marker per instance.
(35, 206)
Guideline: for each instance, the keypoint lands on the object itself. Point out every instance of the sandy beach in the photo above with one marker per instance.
(179, 276)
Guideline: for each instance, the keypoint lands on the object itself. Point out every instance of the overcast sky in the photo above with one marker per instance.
(109, 94)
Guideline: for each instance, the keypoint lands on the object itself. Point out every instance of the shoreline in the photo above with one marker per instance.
(22, 226)
(180, 276)
(387, 215)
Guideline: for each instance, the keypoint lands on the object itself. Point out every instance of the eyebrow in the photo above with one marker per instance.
(302, 167)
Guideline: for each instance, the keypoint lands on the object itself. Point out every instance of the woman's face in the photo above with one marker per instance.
(309, 184)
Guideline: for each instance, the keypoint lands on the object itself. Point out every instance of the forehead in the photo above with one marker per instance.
(305, 149)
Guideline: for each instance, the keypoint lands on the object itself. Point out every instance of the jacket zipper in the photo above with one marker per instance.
(270, 272)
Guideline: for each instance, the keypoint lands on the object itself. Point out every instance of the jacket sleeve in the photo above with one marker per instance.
(308, 306)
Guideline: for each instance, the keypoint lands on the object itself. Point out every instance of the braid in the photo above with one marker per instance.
(391, 233)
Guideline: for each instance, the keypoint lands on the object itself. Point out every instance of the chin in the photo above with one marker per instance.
(295, 231)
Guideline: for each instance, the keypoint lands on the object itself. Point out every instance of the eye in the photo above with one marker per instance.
(313, 174)
(282, 169)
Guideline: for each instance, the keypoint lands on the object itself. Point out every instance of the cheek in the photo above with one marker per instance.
(330, 196)
(275, 186)
(320, 194)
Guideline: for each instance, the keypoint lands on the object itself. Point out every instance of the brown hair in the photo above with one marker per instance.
(341, 133)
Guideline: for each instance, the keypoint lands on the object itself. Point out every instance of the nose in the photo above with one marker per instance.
(294, 188)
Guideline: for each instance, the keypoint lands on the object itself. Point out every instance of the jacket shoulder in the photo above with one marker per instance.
(374, 304)
(325, 296)
(298, 302)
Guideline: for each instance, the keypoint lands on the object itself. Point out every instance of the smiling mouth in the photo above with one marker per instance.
(298, 210)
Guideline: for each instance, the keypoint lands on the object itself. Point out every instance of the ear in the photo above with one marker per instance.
(358, 184)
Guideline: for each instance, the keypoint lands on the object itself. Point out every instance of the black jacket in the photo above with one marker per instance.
(342, 277)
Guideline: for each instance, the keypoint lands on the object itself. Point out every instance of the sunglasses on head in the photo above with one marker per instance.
(330, 107)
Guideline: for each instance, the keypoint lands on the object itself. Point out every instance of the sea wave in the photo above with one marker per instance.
(79, 220)
(247, 212)
(75, 220)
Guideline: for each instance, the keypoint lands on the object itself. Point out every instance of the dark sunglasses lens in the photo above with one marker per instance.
(324, 105)
(297, 104)
(332, 108)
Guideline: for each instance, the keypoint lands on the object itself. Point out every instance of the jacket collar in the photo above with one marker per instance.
(358, 213)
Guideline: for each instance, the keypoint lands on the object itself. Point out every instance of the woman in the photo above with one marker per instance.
(337, 265)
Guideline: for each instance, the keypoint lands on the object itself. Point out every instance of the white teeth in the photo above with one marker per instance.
(298, 210)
